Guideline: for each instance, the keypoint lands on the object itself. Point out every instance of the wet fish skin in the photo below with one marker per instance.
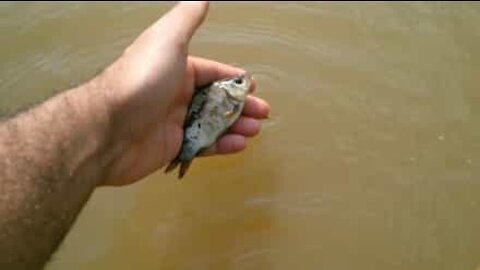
(212, 111)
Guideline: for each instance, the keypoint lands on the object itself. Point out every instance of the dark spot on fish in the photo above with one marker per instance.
(199, 100)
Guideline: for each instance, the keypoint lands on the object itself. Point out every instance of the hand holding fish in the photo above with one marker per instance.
(115, 129)
(151, 85)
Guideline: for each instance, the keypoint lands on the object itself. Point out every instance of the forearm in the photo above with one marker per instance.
(51, 159)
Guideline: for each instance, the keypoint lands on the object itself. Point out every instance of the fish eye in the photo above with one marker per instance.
(238, 81)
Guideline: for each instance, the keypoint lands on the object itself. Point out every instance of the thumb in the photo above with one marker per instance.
(185, 18)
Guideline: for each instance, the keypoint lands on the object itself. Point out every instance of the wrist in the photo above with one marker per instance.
(95, 113)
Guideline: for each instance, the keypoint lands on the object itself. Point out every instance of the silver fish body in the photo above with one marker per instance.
(212, 111)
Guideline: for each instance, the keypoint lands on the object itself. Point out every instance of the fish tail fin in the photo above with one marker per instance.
(183, 168)
(173, 164)
(184, 165)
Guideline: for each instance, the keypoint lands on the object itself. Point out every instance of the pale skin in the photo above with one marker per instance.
(115, 129)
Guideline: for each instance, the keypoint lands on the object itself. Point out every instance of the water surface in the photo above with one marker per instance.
(371, 158)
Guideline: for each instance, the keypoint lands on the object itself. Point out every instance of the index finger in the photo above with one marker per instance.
(207, 71)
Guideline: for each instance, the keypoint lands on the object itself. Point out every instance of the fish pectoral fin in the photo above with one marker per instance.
(183, 168)
(228, 114)
(231, 113)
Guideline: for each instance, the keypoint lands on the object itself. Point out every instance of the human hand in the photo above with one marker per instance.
(149, 88)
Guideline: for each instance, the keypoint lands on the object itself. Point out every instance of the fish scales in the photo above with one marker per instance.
(212, 111)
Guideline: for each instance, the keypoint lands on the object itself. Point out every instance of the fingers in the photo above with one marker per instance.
(181, 22)
(207, 71)
(256, 107)
(246, 126)
(189, 15)
(227, 144)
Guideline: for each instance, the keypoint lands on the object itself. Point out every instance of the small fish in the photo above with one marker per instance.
(212, 111)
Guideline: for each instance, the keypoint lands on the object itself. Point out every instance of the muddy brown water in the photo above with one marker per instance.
(371, 158)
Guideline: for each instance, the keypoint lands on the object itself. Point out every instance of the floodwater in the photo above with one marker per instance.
(370, 160)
